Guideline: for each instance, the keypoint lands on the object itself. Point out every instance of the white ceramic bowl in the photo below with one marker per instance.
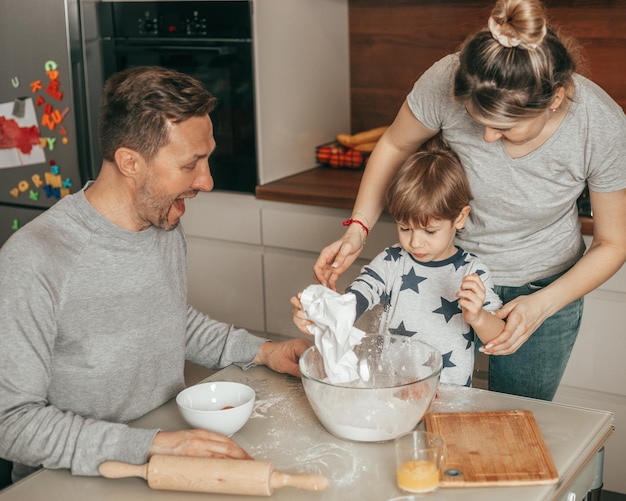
(219, 406)
(399, 377)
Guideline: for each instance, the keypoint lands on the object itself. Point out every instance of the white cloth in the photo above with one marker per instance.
(333, 315)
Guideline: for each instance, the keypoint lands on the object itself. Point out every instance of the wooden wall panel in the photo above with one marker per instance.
(600, 27)
(392, 42)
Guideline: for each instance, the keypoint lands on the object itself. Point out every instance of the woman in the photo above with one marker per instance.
(531, 133)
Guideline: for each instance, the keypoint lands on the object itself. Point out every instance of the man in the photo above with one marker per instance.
(94, 321)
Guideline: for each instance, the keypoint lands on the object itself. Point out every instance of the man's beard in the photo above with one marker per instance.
(155, 208)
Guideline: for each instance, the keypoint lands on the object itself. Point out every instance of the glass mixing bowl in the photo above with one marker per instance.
(398, 378)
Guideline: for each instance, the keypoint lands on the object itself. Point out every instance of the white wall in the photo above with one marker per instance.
(302, 78)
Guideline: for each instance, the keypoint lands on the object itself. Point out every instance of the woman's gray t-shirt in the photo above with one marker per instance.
(524, 221)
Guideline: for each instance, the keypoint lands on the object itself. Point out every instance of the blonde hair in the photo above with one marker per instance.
(512, 69)
(431, 184)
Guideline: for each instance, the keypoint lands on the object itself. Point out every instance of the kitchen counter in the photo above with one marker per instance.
(325, 187)
(337, 188)
(284, 431)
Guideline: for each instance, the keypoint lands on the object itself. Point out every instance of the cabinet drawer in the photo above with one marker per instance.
(599, 351)
(310, 228)
(226, 281)
(224, 216)
(582, 484)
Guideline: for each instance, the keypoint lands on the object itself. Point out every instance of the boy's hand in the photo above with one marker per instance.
(299, 318)
(472, 297)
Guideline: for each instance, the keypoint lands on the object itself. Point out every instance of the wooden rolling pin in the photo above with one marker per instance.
(227, 476)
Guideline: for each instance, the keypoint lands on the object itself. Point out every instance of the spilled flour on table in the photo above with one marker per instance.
(262, 407)
(454, 398)
(282, 420)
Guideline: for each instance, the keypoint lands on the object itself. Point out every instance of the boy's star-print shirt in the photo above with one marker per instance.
(420, 300)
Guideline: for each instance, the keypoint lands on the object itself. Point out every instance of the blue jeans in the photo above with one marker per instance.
(536, 368)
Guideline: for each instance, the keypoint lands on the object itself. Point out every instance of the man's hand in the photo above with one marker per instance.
(283, 356)
(196, 443)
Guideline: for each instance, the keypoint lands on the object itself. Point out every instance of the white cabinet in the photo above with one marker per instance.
(310, 229)
(224, 258)
(597, 358)
(302, 81)
(246, 258)
(595, 375)
(597, 361)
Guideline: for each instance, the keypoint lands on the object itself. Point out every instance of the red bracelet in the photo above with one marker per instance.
(348, 222)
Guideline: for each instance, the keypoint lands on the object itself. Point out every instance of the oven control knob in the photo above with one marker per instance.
(196, 25)
(147, 25)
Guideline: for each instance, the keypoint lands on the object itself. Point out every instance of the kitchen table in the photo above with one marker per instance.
(284, 431)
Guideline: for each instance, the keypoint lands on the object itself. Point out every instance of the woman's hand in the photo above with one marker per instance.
(299, 317)
(336, 258)
(523, 316)
(401, 139)
(196, 443)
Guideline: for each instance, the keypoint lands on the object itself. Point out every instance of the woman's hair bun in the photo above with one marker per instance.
(520, 23)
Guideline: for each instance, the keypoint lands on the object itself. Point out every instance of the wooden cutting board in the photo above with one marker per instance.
(492, 448)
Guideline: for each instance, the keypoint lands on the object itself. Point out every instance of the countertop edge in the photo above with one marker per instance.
(333, 188)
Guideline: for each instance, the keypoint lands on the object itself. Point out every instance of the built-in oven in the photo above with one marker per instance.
(210, 40)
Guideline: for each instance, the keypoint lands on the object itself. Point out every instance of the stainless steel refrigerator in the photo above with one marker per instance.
(45, 121)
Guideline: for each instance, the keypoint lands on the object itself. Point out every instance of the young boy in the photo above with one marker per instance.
(429, 287)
